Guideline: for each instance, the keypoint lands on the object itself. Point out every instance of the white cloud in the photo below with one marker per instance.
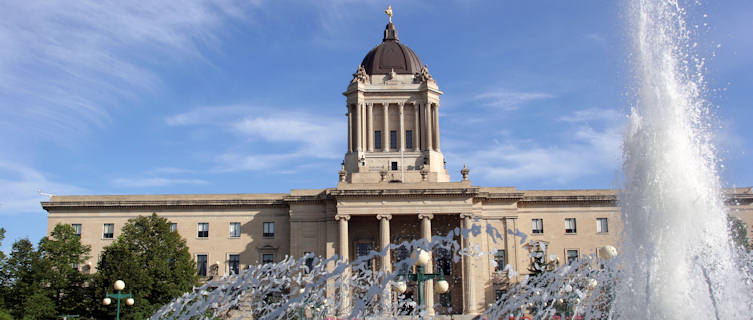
(510, 100)
(64, 65)
(305, 136)
(590, 150)
(18, 188)
(154, 182)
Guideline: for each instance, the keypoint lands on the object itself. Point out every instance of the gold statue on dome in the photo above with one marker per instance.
(389, 12)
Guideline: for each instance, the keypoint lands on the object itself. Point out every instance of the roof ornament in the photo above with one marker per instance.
(464, 172)
(360, 75)
(424, 75)
(389, 12)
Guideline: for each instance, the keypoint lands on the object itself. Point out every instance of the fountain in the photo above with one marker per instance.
(676, 259)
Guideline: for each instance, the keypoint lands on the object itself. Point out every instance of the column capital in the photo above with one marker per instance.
(384, 216)
(422, 216)
(467, 215)
(345, 217)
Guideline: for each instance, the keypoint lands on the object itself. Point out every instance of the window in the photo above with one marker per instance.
(570, 225)
(409, 139)
(377, 139)
(203, 230)
(393, 165)
(234, 263)
(235, 229)
(393, 139)
(269, 230)
(108, 231)
(309, 261)
(602, 225)
(362, 250)
(77, 229)
(402, 254)
(500, 259)
(444, 260)
(572, 255)
(201, 264)
(267, 258)
(498, 294)
(537, 225)
(445, 300)
(173, 227)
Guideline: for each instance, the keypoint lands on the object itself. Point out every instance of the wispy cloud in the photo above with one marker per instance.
(154, 182)
(64, 65)
(508, 100)
(593, 147)
(303, 135)
(19, 185)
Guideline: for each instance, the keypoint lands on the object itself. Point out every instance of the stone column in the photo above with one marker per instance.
(427, 122)
(384, 246)
(350, 129)
(401, 133)
(344, 306)
(416, 132)
(469, 299)
(359, 119)
(436, 127)
(370, 125)
(386, 133)
(364, 124)
(429, 267)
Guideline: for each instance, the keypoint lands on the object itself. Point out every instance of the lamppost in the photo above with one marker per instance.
(420, 277)
(119, 285)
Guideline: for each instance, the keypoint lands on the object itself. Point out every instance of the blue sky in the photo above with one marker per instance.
(245, 96)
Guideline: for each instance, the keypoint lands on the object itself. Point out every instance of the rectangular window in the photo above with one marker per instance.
(377, 139)
(173, 227)
(445, 300)
(267, 258)
(572, 255)
(498, 294)
(269, 230)
(602, 225)
(77, 229)
(402, 254)
(234, 263)
(362, 250)
(201, 264)
(393, 139)
(537, 225)
(570, 225)
(235, 229)
(309, 261)
(203, 230)
(109, 231)
(408, 139)
(393, 166)
(444, 261)
(500, 259)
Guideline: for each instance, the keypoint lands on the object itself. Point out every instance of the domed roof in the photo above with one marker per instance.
(391, 55)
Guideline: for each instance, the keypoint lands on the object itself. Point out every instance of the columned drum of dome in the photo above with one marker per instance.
(399, 131)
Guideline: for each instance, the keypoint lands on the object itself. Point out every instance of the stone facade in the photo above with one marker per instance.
(393, 187)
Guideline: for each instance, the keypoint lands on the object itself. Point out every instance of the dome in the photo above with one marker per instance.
(391, 55)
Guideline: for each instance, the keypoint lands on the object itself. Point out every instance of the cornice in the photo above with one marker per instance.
(147, 204)
(472, 191)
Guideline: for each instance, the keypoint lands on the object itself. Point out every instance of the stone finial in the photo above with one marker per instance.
(465, 172)
(360, 75)
(424, 172)
(393, 74)
(342, 172)
(423, 75)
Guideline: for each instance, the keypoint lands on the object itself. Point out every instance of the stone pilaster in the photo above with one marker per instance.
(436, 127)
(359, 120)
(416, 132)
(427, 123)
(350, 129)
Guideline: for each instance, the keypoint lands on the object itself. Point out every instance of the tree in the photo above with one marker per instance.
(738, 232)
(4, 285)
(61, 254)
(20, 277)
(153, 261)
